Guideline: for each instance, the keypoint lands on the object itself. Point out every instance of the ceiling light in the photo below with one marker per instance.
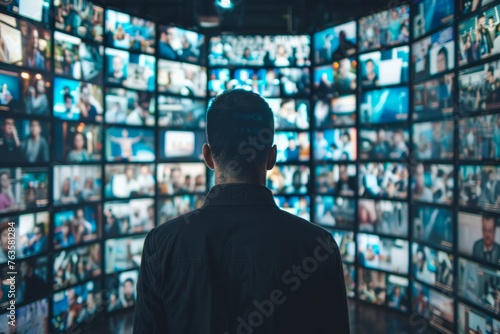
(225, 4)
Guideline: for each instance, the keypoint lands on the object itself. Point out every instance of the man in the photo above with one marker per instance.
(9, 141)
(165, 48)
(37, 243)
(128, 293)
(117, 73)
(35, 148)
(487, 249)
(442, 60)
(82, 228)
(239, 263)
(88, 111)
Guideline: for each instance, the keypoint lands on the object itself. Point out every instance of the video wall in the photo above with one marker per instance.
(387, 128)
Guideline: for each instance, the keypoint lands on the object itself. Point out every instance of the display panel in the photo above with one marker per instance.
(259, 50)
(77, 265)
(124, 181)
(338, 180)
(81, 18)
(295, 205)
(181, 45)
(78, 225)
(479, 285)
(478, 91)
(122, 290)
(433, 183)
(24, 140)
(432, 266)
(390, 27)
(77, 101)
(372, 286)
(181, 178)
(129, 32)
(479, 187)
(339, 77)
(78, 142)
(433, 99)
(346, 243)
(434, 54)
(33, 317)
(335, 43)
(176, 206)
(479, 138)
(469, 6)
(338, 111)
(182, 145)
(430, 15)
(394, 184)
(290, 113)
(383, 143)
(288, 179)
(292, 146)
(294, 82)
(23, 188)
(433, 225)
(385, 68)
(136, 71)
(433, 141)
(376, 252)
(130, 145)
(383, 217)
(76, 184)
(437, 308)
(478, 36)
(471, 320)
(181, 112)
(479, 236)
(350, 280)
(384, 105)
(123, 254)
(335, 145)
(181, 79)
(128, 217)
(335, 211)
(124, 106)
(36, 10)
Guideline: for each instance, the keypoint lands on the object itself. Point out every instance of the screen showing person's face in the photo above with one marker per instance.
(8, 126)
(488, 230)
(117, 64)
(441, 62)
(35, 129)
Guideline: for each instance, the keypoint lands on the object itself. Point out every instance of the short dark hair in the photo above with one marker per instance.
(491, 70)
(240, 130)
(444, 52)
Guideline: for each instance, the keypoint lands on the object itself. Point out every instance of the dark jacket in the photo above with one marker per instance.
(239, 264)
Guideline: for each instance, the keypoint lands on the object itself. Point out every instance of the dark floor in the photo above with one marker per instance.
(365, 319)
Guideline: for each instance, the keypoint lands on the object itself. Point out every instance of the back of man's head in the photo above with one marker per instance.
(240, 132)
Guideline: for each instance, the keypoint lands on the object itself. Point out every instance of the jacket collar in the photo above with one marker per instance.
(239, 194)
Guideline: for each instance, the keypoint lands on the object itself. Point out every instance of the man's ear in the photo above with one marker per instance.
(271, 157)
(207, 155)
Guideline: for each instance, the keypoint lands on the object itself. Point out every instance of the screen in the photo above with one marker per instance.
(340, 110)
(338, 180)
(77, 265)
(23, 188)
(123, 254)
(393, 184)
(81, 18)
(181, 112)
(479, 284)
(77, 101)
(288, 179)
(294, 82)
(433, 225)
(478, 91)
(129, 107)
(25, 44)
(383, 217)
(376, 252)
(350, 279)
(434, 54)
(335, 43)
(136, 71)
(390, 27)
(74, 226)
(433, 141)
(185, 145)
(338, 77)
(346, 243)
(431, 15)
(265, 82)
(437, 308)
(78, 142)
(219, 80)
(124, 181)
(432, 266)
(335, 145)
(471, 320)
(385, 68)
(122, 292)
(433, 99)
(383, 143)
(477, 234)
(182, 45)
(129, 32)
(259, 50)
(76, 184)
(335, 211)
(479, 138)
(77, 305)
(290, 113)
(469, 6)
(130, 145)
(295, 205)
(33, 317)
(37, 10)
(128, 217)
(181, 79)
(292, 146)
(372, 286)
(433, 183)
(478, 187)
(384, 105)
(181, 178)
(176, 206)
(477, 36)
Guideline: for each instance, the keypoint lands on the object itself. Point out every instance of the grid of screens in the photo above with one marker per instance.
(384, 127)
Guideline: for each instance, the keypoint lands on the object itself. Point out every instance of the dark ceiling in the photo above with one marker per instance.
(255, 16)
